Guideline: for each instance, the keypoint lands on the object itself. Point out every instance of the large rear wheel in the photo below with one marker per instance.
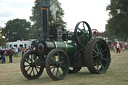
(97, 56)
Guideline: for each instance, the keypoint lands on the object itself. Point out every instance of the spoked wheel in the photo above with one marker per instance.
(94, 32)
(97, 56)
(57, 64)
(74, 70)
(28, 65)
(82, 33)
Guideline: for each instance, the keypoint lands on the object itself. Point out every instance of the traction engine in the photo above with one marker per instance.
(63, 52)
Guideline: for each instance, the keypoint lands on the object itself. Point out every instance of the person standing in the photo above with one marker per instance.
(10, 55)
(16, 51)
(118, 48)
(123, 47)
(22, 50)
(2, 56)
(19, 49)
(114, 46)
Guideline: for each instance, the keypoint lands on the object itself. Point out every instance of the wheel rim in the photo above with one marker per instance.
(82, 34)
(101, 56)
(57, 64)
(28, 65)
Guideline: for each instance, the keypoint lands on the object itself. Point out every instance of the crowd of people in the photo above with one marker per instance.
(118, 47)
(15, 51)
(12, 52)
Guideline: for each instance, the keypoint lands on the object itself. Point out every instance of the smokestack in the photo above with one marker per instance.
(44, 16)
(45, 4)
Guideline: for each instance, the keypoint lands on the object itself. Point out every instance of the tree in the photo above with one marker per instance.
(2, 41)
(36, 30)
(17, 29)
(117, 23)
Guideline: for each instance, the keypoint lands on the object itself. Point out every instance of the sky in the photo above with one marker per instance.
(92, 11)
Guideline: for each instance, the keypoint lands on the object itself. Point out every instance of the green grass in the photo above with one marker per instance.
(117, 74)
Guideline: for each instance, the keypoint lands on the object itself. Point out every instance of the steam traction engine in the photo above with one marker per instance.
(61, 53)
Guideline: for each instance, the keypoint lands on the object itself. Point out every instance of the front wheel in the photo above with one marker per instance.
(28, 65)
(57, 64)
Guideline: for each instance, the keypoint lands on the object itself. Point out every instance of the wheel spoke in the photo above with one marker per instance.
(104, 50)
(101, 64)
(62, 62)
(29, 58)
(100, 50)
(59, 55)
(84, 27)
(53, 62)
(38, 67)
(81, 30)
(94, 56)
(35, 57)
(104, 59)
(27, 61)
(27, 69)
(97, 47)
(53, 70)
(33, 71)
(56, 71)
(81, 36)
(97, 66)
(36, 70)
(95, 51)
(62, 65)
(52, 67)
(27, 66)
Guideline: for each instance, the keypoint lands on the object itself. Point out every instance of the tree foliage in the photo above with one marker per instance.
(36, 31)
(17, 29)
(2, 41)
(117, 26)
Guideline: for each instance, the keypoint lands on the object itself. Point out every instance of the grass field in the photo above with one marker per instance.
(117, 74)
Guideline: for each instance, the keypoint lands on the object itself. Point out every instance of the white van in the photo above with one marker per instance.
(20, 44)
